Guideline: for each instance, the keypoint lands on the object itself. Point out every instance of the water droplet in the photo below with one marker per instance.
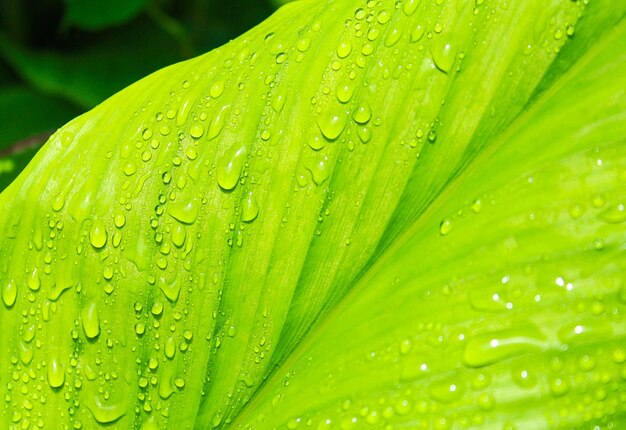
(56, 373)
(410, 6)
(523, 377)
(317, 142)
(445, 227)
(489, 348)
(392, 37)
(187, 213)
(9, 293)
(332, 123)
(90, 320)
(344, 48)
(383, 17)
(171, 290)
(319, 171)
(363, 113)
(26, 353)
(344, 92)
(33, 281)
(230, 166)
(249, 208)
(446, 391)
(170, 348)
(559, 387)
(218, 122)
(98, 234)
(303, 44)
(583, 332)
(120, 220)
(105, 413)
(196, 131)
(417, 33)
(217, 89)
(179, 234)
(444, 57)
(183, 113)
(281, 57)
(364, 132)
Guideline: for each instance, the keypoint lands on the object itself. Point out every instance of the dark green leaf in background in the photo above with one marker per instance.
(99, 14)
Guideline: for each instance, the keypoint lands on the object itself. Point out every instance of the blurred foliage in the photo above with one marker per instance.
(59, 58)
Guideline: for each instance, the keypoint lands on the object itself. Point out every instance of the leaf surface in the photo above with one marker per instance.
(328, 222)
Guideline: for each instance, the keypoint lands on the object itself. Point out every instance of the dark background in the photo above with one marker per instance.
(59, 58)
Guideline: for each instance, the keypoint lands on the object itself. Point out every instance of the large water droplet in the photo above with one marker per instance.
(218, 122)
(344, 92)
(332, 123)
(90, 320)
(217, 89)
(584, 332)
(171, 289)
(446, 391)
(9, 293)
(98, 234)
(33, 281)
(179, 233)
(230, 166)
(105, 413)
(410, 6)
(344, 48)
(187, 213)
(319, 171)
(363, 113)
(444, 57)
(492, 347)
(56, 373)
(196, 131)
(249, 208)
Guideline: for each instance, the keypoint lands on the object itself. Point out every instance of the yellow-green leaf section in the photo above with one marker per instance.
(383, 214)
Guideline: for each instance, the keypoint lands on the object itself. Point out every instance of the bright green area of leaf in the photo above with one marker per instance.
(388, 215)
(98, 14)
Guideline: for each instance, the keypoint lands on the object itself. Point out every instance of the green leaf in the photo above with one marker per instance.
(388, 215)
(96, 14)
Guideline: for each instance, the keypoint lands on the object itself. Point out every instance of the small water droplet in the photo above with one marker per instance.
(445, 227)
